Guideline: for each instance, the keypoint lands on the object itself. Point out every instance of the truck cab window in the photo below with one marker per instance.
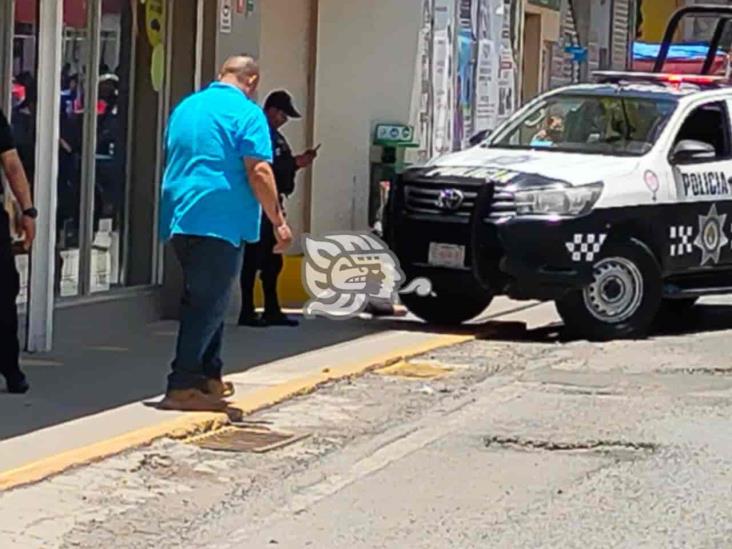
(708, 124)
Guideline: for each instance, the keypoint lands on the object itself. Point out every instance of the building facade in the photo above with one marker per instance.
(89, 85)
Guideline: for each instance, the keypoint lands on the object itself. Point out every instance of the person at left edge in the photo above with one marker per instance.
(218, 154)
(9, 279)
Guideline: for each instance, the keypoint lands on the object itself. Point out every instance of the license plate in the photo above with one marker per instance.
(446, 255)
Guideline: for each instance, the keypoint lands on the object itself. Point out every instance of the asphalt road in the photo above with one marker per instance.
(531, 441)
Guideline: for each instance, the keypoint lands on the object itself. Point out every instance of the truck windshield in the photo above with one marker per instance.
(591, 124)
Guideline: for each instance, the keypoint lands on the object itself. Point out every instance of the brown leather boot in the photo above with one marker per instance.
(191, 400)
(219, 389)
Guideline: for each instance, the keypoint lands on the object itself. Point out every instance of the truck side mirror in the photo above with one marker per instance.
(690, 150)
(479, 137)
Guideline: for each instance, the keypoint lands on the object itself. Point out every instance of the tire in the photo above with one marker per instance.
(448, 308)
(623, 300)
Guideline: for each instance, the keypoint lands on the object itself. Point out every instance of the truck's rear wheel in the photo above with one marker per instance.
(622, 300)
(447, 307)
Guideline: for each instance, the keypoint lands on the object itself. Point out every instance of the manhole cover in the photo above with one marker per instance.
(415, 370)
(246, 439)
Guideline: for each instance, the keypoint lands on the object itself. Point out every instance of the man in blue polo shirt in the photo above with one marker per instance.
(217, 175)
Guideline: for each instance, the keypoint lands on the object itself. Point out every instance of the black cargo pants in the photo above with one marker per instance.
(9, 288)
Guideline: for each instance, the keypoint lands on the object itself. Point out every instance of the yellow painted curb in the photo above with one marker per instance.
(290, 290)
(196, 423)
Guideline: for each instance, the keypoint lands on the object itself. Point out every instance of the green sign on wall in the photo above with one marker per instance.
(551, 4)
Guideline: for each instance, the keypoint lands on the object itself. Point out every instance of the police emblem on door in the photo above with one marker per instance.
(711, 238)
(450, 199)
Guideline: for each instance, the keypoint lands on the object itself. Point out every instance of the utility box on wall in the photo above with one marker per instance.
(387, 161)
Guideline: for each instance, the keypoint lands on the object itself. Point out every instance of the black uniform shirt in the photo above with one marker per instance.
(283, 165)
(7, 143)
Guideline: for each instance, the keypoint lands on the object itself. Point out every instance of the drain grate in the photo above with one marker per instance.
(246, 439)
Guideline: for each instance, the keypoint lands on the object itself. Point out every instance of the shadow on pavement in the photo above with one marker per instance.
(700, 319)
(90, 372)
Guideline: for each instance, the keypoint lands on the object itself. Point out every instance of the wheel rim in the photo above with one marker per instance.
(616, 291)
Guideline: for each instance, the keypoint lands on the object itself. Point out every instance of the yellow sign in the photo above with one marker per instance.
(157, 67)
(155, 21)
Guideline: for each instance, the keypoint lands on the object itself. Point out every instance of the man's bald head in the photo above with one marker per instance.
(242, 71)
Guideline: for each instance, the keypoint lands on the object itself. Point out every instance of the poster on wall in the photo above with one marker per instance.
(443, 80)
(420, 117)
(466, 59)
(507, 69)
(488, 63)
(442, 89)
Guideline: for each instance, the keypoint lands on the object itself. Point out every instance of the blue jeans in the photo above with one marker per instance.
(210, 266)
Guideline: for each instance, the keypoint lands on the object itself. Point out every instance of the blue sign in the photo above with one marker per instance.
(578, 53)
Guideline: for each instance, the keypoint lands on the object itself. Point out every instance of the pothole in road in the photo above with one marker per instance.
(700, 371)
(568, 446)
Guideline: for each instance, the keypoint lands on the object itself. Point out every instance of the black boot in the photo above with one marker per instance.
(17, 384)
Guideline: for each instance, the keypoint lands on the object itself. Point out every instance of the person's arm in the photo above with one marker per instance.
(13, 168)
(262, 181)
(255, 146)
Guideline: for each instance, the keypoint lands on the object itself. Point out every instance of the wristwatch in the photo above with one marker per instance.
(31, 212)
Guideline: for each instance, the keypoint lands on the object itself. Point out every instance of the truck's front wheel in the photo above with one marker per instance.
(621, 301)
(448, 306)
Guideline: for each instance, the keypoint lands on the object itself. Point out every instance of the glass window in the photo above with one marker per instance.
(708, 124)
(111, 149)
(593, 124)
(75, 77)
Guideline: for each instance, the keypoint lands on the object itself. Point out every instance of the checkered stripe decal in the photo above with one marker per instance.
(681, 240)
(585, 247)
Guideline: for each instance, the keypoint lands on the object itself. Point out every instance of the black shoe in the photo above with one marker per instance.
(18, 386)
(253, 321)
(279, 319)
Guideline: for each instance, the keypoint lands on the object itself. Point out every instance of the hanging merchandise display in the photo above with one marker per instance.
(466, 65)
(420, 117)
(490, 24)
(443, 81)
(465, 73)
(507, 68)
(155, 27)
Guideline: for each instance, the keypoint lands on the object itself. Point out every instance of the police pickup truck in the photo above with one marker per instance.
(613, 199)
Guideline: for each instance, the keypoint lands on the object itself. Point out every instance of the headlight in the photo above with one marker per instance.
(558, 201)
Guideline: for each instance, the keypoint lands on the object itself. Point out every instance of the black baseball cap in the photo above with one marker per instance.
(283, 101)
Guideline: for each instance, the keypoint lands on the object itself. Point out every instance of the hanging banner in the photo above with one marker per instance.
(466, 60)
(420, 112)
(443, 77)
(507, 69)
(442, 87)
(154, 21)
(225, 17)
(488, 63)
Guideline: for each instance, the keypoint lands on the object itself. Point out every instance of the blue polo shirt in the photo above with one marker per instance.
(206, 190)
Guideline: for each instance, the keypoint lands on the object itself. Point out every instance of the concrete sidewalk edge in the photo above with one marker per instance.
(197, 423)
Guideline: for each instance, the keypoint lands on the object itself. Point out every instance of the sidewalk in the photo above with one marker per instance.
(88, 396)
(89, 373)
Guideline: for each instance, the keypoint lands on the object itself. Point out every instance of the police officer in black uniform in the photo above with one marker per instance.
(259, 256)
(9, 279)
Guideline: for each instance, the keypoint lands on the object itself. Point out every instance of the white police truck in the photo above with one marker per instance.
(613, 199)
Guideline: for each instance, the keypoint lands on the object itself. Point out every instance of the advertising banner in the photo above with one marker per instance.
(507, 70)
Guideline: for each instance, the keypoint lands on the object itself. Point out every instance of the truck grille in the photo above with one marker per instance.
(424, 198)
(504, 202)
(440, 199)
